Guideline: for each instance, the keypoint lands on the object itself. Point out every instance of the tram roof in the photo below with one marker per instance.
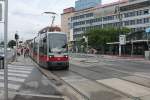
(56, 32)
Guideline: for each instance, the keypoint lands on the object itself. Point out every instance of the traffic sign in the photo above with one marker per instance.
(122, 39)
(147, 30)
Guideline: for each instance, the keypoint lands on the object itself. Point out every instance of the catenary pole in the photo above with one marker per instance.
(5, 50)
(120, 20)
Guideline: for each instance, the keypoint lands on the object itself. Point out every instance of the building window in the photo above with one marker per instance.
(139, 21)
(89, 15)
(126, 23)
(146, 11)
(146, 20)
(132, 22)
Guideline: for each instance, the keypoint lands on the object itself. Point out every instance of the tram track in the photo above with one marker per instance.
(113, 75)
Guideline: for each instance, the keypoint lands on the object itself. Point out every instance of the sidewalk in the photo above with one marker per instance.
(26, 82)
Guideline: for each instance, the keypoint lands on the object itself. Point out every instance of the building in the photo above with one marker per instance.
(65, 24)
(84, 4)
(134, 14)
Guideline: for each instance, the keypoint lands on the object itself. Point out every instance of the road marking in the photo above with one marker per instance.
(39, 95)
(15, 74)
(15, 79)
(25, 69)
(126, 87)
(10, 86)
(17, 71)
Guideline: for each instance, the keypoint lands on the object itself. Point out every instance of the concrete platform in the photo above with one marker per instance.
(38, 97)
(139, 80)
(128, 88)
(93, 90)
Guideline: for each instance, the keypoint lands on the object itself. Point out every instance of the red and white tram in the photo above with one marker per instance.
(50, 50)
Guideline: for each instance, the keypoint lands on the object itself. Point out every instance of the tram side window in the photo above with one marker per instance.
(35, 47)
(43, 46)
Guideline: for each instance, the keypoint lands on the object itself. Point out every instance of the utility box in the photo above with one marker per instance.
(147, 55)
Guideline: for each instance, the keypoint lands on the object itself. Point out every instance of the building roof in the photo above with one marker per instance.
(111, 4)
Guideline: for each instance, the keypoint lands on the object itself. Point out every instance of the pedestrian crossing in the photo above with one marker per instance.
(16, 76)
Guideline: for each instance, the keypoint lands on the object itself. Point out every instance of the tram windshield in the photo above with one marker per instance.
(57, 43)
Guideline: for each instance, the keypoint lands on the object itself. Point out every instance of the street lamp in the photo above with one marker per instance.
(53, 18)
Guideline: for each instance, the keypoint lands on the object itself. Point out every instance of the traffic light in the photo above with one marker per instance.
(16, 36)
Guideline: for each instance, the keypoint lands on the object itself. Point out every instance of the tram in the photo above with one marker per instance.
(50, 50)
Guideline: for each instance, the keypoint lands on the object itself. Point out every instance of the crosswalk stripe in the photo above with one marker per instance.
(15, 79)
(10, 86)
(17, 71)
(25, 69)
(15, 74)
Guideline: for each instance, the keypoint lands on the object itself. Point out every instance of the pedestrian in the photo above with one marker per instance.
(21, 51)
(26, 52)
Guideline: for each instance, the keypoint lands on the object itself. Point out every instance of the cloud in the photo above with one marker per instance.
(25, 16)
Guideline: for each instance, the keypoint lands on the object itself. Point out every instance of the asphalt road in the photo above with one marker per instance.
(93, 79)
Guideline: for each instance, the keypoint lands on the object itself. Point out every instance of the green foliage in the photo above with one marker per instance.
(11, 43)
(2, 43)
(98, 38)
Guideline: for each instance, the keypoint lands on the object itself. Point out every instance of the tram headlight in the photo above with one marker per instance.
(66, 56)
(51, 56)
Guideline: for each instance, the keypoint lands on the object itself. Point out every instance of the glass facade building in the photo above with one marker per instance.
(84, 4)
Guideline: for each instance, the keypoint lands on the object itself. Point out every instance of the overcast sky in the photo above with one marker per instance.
(25, 16)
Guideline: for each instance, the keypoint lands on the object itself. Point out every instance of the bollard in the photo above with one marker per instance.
(1, 62)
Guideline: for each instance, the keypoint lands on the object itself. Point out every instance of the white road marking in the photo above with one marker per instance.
(15, 79)
(17, 71)
(126, 87)
(25, 69)
(15, 74)
(10, 86)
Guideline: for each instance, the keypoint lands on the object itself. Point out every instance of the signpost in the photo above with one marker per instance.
(148, 32)
(122, 41)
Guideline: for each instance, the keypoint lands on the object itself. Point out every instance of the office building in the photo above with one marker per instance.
(134, 14)
(84, 4)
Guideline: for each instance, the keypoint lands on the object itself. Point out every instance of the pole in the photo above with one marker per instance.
(120, 19)
(5, 51)
(132, 48)
(148, 41)
(16, 50)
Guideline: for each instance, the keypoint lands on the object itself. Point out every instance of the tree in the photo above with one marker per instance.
(97, 38)
(11, 43)
(2, 43)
